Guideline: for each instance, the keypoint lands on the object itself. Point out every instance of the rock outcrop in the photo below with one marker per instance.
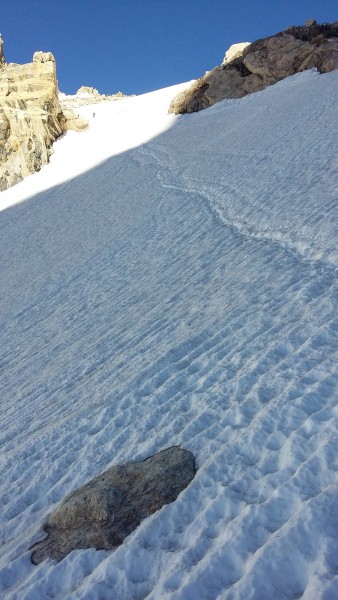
(235, 51)
(88, 95)
(2, 57)
(31, 117)
(263, 63)
(104, 511)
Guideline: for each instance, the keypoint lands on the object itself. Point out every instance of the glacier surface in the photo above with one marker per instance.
(173, 281)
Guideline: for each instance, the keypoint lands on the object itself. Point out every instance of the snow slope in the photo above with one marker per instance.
(173, 280)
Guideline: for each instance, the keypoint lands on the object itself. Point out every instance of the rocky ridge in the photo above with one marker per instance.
(88, 95)
(263, 63)
(31, 116)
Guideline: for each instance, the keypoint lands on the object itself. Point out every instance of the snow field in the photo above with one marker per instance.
(179, 293)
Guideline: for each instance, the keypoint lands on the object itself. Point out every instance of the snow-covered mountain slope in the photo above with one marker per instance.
(115, 127)
(182, 291)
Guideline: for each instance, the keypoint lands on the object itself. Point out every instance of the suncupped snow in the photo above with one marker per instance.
(173, 281)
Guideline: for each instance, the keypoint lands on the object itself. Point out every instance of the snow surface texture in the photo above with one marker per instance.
(183, 291)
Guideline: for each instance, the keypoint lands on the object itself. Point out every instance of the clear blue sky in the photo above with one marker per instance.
(141, 45)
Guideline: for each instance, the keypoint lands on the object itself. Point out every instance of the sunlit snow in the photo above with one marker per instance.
(115, 127)
(173, 280)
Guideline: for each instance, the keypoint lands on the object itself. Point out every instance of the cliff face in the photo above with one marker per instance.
(31, 118)
(263, 63)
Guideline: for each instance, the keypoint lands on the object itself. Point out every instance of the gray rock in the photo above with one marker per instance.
(310, 22)
(264, 63)
(104, 511)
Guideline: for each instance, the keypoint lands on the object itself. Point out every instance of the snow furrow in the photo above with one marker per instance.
(133, 320)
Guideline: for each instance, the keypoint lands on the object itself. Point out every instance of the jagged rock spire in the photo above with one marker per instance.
(2, 58)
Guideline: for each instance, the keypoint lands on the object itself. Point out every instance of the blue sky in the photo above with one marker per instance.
(141, 45)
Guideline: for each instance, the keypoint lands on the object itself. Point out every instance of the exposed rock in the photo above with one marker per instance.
(92, 93)
(72, 121)
(31, 117)
(88, 95)
(2, 57)
(43, 57)
(264, 63)
(104, 511)
(310, 23)
(234, 51)
(88, 91)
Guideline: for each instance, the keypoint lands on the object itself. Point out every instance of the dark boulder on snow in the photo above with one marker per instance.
(263, 63)
(104, 511)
